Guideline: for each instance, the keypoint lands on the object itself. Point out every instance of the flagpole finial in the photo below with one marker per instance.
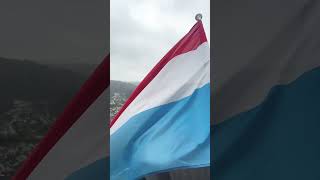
(198, 17)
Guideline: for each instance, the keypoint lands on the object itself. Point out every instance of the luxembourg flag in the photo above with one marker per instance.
(76, 146)
(165, 123)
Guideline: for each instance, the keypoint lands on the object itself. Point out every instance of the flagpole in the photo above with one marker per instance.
(198, 17)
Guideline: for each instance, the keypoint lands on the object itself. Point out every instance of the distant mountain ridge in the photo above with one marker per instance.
(27, 80)
(123, 88)
(80, 68)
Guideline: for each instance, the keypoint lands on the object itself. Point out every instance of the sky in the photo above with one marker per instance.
(54, 31)
(143, 31)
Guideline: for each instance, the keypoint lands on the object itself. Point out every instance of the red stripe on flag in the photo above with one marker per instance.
(89, 92)
(195, 37)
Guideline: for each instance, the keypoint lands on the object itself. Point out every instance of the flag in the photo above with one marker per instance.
(75, 148)
(267, 90)
(165, 123)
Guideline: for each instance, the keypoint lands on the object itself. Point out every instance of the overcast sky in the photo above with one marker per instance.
(142, 31)
(54, 31)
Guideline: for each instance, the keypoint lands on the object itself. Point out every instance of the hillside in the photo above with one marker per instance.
(119, 92)
(31, 97)
(29, 81)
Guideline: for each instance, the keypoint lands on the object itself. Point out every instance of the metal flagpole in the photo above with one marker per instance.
(198, 17)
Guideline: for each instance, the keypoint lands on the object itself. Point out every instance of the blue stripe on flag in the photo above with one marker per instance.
(170, 136)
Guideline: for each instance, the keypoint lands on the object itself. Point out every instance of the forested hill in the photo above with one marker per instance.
(32, 95)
